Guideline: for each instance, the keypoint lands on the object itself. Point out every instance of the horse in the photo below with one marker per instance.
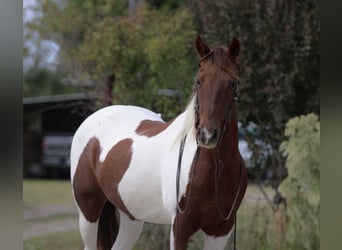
(129, 166)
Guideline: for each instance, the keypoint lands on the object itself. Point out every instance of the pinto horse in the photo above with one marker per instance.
(128, 166)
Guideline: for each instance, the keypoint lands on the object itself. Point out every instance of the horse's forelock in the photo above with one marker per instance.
(220, 58)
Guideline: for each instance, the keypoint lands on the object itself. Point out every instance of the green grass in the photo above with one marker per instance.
(255, 229)
(68, 240)
(46, 192)
(50, 218)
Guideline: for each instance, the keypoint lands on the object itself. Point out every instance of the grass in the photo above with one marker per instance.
(255, 228)
(68, 240)
(50, 218)
(46, 192)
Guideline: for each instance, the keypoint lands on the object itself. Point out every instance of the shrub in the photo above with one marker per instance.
(302, 185)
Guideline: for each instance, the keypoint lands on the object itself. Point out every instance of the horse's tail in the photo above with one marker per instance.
(108, 227)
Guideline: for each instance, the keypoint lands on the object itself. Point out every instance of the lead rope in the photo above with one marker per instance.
(217, 175)
(218, 170)
(193, 169)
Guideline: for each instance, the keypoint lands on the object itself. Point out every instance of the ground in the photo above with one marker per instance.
(50, 218)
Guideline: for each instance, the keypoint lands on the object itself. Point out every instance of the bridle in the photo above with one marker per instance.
(218, 161)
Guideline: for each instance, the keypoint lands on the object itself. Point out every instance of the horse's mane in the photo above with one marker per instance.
(189, 120)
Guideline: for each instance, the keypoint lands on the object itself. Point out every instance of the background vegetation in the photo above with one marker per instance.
(301, 186)
(147, 48)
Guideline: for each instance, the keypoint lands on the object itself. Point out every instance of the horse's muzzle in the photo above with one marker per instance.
(208, 138)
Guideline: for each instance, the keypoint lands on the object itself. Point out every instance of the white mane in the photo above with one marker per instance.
(189, 120)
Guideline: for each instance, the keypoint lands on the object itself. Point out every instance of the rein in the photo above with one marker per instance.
(218, 167)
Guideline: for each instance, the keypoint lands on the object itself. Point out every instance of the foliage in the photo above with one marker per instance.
(41, 81)
(302, 185)
(280, 61)
(40, 77)
(146, 51)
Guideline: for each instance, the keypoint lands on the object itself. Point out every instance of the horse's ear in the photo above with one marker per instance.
(234, 48)
(201, 48)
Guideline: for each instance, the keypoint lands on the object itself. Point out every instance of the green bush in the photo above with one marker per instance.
(302, 185)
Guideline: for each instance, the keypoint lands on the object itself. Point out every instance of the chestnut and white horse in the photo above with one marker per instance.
(128, 166)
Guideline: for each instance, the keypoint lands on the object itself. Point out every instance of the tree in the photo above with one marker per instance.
(42, 81)
(41, 77)
(280, 55)
(146, 51)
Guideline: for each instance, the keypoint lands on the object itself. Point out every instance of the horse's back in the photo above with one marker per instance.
(108, 125)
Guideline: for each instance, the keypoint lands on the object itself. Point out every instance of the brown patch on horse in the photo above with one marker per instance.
(202, 211)
(151, 128)
(96, 182)
(202, 208)
(87, 191)
(211, 195)
(112, 170)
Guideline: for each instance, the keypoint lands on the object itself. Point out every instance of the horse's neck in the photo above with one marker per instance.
(229, 147)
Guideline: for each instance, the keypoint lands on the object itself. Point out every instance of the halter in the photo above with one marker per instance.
(218, 161)
(205, 57)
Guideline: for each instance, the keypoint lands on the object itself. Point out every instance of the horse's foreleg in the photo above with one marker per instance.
(180, 233)
(215, 243)
(129, 232)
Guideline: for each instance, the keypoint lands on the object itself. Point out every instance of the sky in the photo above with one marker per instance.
(51, 48)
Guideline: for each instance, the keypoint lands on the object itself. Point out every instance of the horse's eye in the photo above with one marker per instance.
(233, 85)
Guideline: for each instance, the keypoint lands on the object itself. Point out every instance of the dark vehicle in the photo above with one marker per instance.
(56, 154)
(49, 123)
(59, 125)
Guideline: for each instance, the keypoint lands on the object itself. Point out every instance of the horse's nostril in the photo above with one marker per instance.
(208, 136)
(214, 134)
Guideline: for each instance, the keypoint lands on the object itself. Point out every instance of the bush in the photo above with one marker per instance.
(302, 185)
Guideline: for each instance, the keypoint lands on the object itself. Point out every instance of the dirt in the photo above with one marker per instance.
(49, 219)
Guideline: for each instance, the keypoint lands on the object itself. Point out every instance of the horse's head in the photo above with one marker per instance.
(216, 89)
